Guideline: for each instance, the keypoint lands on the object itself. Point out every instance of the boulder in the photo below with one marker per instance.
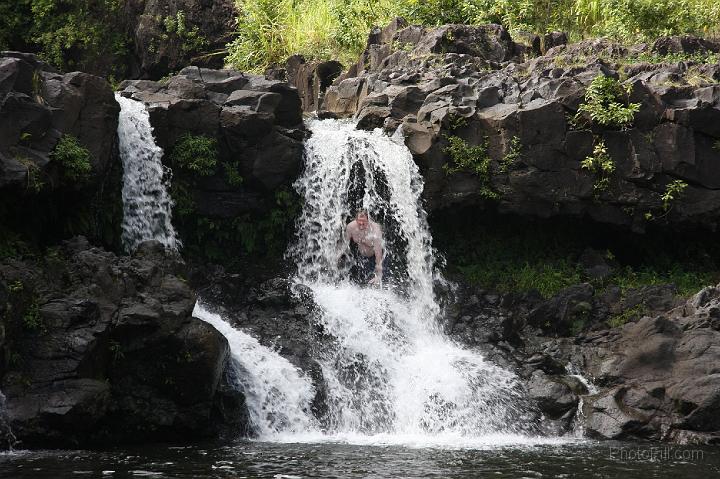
(45, 197)
(104, 350)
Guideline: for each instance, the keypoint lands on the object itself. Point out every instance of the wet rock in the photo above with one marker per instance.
(431, 75)
(554, 398)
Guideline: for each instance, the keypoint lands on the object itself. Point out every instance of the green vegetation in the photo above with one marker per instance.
(175, 26)
(603, 104)
(116, 351)
(31, 318)
(513, 155)
(516, 256)
(626, 316)
(656, 58)
(471, 159)
(227, 240)
(232, 173)
(270, 31)
(34, 181)
(601, 165)
(73, 157)
(196, 154)
(673, 191)
(71, 35)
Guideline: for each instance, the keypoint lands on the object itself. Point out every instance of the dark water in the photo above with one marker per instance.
(271, 460)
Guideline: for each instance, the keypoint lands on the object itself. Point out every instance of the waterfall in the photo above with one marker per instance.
(389, 374)
(147, 206)
(277, 394)
(390, 370)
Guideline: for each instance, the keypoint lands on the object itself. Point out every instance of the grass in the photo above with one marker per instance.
(510, 255)
(269, 31)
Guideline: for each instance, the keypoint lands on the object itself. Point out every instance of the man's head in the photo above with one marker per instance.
(361, 218)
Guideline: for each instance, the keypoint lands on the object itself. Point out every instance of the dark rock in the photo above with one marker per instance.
(257, 125)
(595, 264)
(311, 79)
(554, 398)
(554, 39)
(570, 309)
(159, 51)
(38, 107)
(110, 353)
(684, 44)
(430, 75)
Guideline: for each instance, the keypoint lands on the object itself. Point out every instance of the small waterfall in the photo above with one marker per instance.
(147, 206)
(7, 438)
(278, 395)
(578, 425)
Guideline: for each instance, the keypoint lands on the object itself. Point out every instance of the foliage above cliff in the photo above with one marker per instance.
(71, 35)
(270, 31)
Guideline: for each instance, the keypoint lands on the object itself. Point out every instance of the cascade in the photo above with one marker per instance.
(388, 371)
(147, 206)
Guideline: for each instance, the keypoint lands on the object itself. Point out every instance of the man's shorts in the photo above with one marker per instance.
(364, 268)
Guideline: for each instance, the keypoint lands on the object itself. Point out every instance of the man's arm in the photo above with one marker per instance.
(378, 249)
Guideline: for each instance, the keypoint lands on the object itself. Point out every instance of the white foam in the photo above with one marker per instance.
(147, 206)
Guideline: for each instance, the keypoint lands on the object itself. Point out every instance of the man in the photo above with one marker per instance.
(367, 235)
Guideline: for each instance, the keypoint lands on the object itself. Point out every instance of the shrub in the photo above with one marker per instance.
(75, 35)
(472, 159)
(604, 106)
(195, 153)
(513, 154)
(601, 165)
(73, 157)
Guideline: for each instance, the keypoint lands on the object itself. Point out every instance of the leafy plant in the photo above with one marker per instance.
(627, 315)
(195, 153)
(601, 165)
(33, 180)
(115, 351)
(472, 159)
(16, 286)
(191, 39)
(73, 157)
(673, 191)
(31, 318)
(603, 103)
(513, 155)
(232, 173)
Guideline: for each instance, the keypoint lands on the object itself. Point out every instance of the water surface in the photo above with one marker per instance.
(342, 460)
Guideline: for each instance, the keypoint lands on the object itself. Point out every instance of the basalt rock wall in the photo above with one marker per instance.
(255, 129)
(476, 84)
(45, 195)
(101, 350)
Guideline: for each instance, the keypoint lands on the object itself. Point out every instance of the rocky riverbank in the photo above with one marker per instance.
(99, 349)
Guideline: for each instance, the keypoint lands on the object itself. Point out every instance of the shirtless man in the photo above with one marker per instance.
(367, 235)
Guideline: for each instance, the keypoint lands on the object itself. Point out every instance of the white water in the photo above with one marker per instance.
(390, 375)
(390, 372)
(278, 395)
(578, 426)
(147, 206)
